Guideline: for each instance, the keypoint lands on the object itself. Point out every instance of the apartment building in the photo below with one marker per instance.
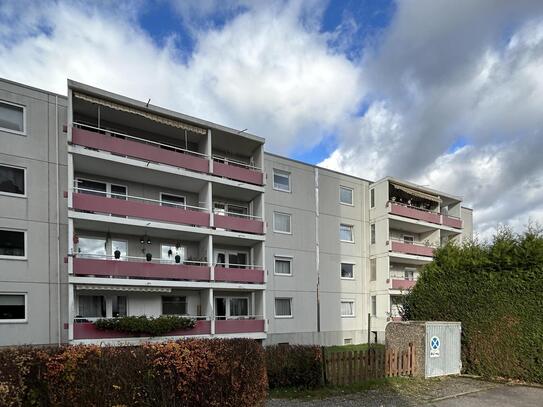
(152, 212)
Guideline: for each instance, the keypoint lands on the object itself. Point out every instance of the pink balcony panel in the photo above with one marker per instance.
(452, 222)
(398, 284)
(414, 213)
(238, 326)
(238, 173)
(239, 224)
(148, 271)
(239, 275)
(136, 149)
(87, 330)
(418, 250)
(136, 209)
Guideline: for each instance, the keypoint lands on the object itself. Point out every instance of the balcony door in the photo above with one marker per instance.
(231, 258)
(224, 208)
(100, 188)
(231, 308)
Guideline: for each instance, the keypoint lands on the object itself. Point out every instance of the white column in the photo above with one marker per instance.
(71, 250)
(209, 151)
(210, 257)
(211, 304)
(70, 115)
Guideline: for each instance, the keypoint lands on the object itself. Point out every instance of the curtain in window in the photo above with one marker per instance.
(282, 267)
(92, 306)
(282, 222)
(346, 233)
(347, 308)
(282, 307)
(239, 307)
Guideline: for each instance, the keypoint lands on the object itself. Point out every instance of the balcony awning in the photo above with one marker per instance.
(147, 115)
(123, 288)
(417, 193)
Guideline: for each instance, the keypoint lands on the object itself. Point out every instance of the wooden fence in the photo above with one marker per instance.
(344, 368)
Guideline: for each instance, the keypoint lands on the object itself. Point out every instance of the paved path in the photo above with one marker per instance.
(451, 391)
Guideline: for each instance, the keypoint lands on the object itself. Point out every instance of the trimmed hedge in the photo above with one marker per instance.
(496, 290)
(146, 325)
(297, 366)
(193, 372)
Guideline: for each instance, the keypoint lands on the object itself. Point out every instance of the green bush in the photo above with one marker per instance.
(195, 372)
(495, 290)
(294, 366)
(146, 325)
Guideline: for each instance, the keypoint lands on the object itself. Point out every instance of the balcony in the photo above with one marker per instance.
(87, 330)
(137, 207)
(416, 249)
(237, 170)
(138, 268)
(243, 274)
(134, 147)
(415, 213)
(452, 221)
(239, 326)
(238, 222)
(399, 284)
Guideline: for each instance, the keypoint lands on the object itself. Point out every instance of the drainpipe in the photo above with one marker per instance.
(59, 322)
(317, 248)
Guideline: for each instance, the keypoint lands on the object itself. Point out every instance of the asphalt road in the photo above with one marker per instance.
(503, 395)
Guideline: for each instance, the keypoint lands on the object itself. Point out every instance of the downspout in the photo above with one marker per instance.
(58, 223)
(317, 248)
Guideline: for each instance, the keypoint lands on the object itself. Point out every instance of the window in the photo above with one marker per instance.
(283, 266)
(12, 180)
(91, 247)
(235, 210)
(174, 305)
(373, 269)
(175, 201)
(346, 195)
(372, 233)
(408, 239)
(346, 233)
(121, 246)
(13, 307)
(12, 244)
(374, 305)
(100, 188)
(348, 341)
(118, 306)
(347, 308)
(239, 307)
(283, 307)
(409, 273)
(92, 306)
(231, 259)
(347, 270)
(281, 180)
(169, 251)
(372, 198)
(281, 222)
(12, 117)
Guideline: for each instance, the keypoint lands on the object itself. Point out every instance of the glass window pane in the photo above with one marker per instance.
(347, 270)
(12, 307)
(118, 192)
(12, 243)
(11, 117)
(119, 306)
(236, 210)
(282, 266)
(373, 269)
(92, 187)
(12, 180)
(174, 305)
(347, 308)
(281, 180)
(239, 307)
(91, 247)
(169, 251)
(372, 198)
(346, 195)
(92, 306)
(172, 200)
(373, 305)
(283, 307)
(121, 246)
(281, 222)
(372, 233)
(346, 233)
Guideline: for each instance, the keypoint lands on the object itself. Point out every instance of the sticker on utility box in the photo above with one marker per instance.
(434, 347)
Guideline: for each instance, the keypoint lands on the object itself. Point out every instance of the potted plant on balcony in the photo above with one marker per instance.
(177, 258)
(117, 254)
(149, 256)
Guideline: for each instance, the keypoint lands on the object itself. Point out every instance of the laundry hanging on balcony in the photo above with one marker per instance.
(147, 115)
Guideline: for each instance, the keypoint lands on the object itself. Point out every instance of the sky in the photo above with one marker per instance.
(444, 93)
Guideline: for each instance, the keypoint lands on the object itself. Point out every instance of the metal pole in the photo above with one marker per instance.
(369, 330)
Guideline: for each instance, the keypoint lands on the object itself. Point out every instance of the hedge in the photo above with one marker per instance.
(195, 372)
(294, 366)
(146, 325)
(496, 290)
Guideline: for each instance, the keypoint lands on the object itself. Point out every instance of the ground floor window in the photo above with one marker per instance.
(118, 306)
(12, 307)
(347, 308)
(92, 306)
(174, 305)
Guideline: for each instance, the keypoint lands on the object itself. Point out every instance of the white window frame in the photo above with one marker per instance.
(171, 260)
(17, 321)
(275, 308)
(108, 185)
(184, 205)
(285, 174)
(340, 265)
(372, 202)
(227, 299)
(25, 195)
(283, 258)
(290, 223)
(25, 257)
(226, 258)
(20, 133)
(352, 233)
(407, 270)
(350, 300)
(352, 195)
(408, 236)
